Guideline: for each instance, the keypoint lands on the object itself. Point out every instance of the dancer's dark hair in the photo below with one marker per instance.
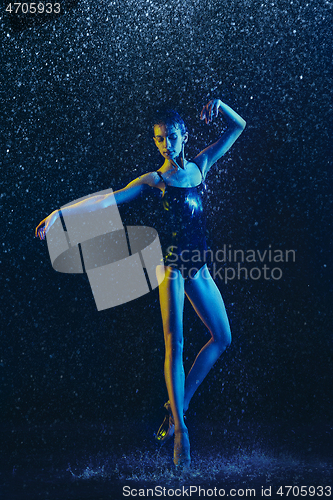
(169, 117)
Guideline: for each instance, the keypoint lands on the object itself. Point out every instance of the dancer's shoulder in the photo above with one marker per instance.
(149, 178)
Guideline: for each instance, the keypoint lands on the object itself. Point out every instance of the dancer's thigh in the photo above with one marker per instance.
(207, 301)
(171, 294)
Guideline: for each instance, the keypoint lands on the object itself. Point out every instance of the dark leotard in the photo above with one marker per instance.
(182, 228)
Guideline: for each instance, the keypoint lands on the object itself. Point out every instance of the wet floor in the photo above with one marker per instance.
(112, 461)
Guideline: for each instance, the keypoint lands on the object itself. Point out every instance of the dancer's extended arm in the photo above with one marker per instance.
(97, 202)
(235, 126)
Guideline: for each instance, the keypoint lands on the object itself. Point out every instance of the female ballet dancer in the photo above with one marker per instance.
(178, 184)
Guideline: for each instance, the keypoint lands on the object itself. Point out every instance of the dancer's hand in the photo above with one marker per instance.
(211, 110)
(45, 225)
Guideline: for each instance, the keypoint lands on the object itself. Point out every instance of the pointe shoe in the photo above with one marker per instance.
(181, 451)
(167, 429)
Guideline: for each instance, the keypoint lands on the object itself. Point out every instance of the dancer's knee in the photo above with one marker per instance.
(222, 338)
(173, 343)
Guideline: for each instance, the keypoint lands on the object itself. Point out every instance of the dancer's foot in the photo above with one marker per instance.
(167, 428)
(181, 451)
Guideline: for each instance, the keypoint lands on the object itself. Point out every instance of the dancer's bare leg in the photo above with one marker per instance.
(208, 303)
(171, 292)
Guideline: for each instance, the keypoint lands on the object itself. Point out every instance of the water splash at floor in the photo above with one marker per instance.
(92, 464)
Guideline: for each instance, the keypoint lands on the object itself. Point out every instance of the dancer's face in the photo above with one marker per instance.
(169, 140)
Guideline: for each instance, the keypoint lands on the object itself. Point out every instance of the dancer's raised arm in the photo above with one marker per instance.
(215, 151)
(124, 195)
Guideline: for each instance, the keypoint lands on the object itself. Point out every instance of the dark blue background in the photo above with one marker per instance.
(78, 93)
